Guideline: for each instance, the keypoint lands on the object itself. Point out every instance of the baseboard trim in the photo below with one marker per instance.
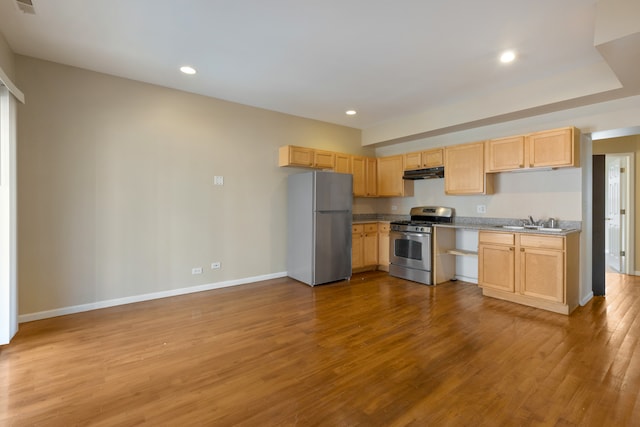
(469, 279)
(586, 299)
(144, 297)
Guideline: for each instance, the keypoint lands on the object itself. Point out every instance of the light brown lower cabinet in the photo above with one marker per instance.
(364, 247)
(383, 246)
(532, 269)
(370, 246)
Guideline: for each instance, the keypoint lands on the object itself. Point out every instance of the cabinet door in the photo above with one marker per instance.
(383, 246)
(553, 148)
(433, 158)
(371, 176)
(357, 246)
(542, 274)
(505, 154)
(290, 155)
(464, 169)
(359, 171)
(390, 171)
(343, 163)
(324, 159)
(412, 161)
(371, 244)
(496, 267)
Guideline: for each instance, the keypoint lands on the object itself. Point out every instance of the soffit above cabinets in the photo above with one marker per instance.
(396, 63)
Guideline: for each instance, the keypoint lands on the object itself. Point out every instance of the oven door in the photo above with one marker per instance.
(411, 250)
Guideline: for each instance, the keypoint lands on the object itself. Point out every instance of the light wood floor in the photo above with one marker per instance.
(377, 351)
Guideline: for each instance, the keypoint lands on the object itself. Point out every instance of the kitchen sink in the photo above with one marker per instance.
(551, 229)
(532, 227)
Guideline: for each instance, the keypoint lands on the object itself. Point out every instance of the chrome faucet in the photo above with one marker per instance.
(532, 221)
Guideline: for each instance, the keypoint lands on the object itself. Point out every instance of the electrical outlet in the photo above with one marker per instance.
(218, 180)
(215, 265)
(481, 209)
(196, 270)
(394, 208)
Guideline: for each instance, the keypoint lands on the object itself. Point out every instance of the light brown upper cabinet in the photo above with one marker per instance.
(464, 170)
(364, 170)
(554, 148)
(390, 182)
(343, 163)
(424, 159)
(371, 176)
(324, 159)
(505, 154)
(290, 155)
(551, 148)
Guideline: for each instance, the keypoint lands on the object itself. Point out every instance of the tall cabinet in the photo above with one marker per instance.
(365, 176)
(390, 182)
(464, 170)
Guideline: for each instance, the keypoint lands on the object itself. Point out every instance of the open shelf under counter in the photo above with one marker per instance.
(462, 252)
(455, 254)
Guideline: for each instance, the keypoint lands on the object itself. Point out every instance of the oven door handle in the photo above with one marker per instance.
(409, 234)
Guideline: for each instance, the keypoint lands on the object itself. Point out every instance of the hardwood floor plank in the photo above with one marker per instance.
(375, 351)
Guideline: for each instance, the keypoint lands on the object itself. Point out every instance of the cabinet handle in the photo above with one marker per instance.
(511, 249)
(521, 249)
(521, 165)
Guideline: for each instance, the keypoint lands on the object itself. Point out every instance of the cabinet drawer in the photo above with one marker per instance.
(370, 228)
(357, 228)
(538, 241)
(496, 238)
(383, 226)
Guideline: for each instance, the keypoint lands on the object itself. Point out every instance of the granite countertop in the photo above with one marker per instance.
(479, 223)
(363, 221)
(561, 231)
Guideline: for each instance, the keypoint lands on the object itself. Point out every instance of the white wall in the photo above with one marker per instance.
(542, 194)
(8, 218)
(116, 194)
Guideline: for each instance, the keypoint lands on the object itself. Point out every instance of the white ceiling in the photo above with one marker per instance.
(316, 58)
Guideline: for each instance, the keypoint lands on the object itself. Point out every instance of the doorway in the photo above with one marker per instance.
(617, 150)
(619, 250)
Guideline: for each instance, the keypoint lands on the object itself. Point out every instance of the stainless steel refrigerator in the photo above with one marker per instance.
(319, 227)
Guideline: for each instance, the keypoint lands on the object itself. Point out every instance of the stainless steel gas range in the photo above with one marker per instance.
(410, 243)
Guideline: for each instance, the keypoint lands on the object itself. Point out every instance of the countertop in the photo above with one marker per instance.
(478, 223)
(493, 227)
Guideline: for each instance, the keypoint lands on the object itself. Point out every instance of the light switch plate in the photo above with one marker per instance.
(218, 180)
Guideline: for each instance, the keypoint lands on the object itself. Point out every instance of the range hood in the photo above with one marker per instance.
(427, 173)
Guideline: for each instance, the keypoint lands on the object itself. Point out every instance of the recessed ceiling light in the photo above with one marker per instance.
(507, 56)
(351, 112)
(188, 70)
